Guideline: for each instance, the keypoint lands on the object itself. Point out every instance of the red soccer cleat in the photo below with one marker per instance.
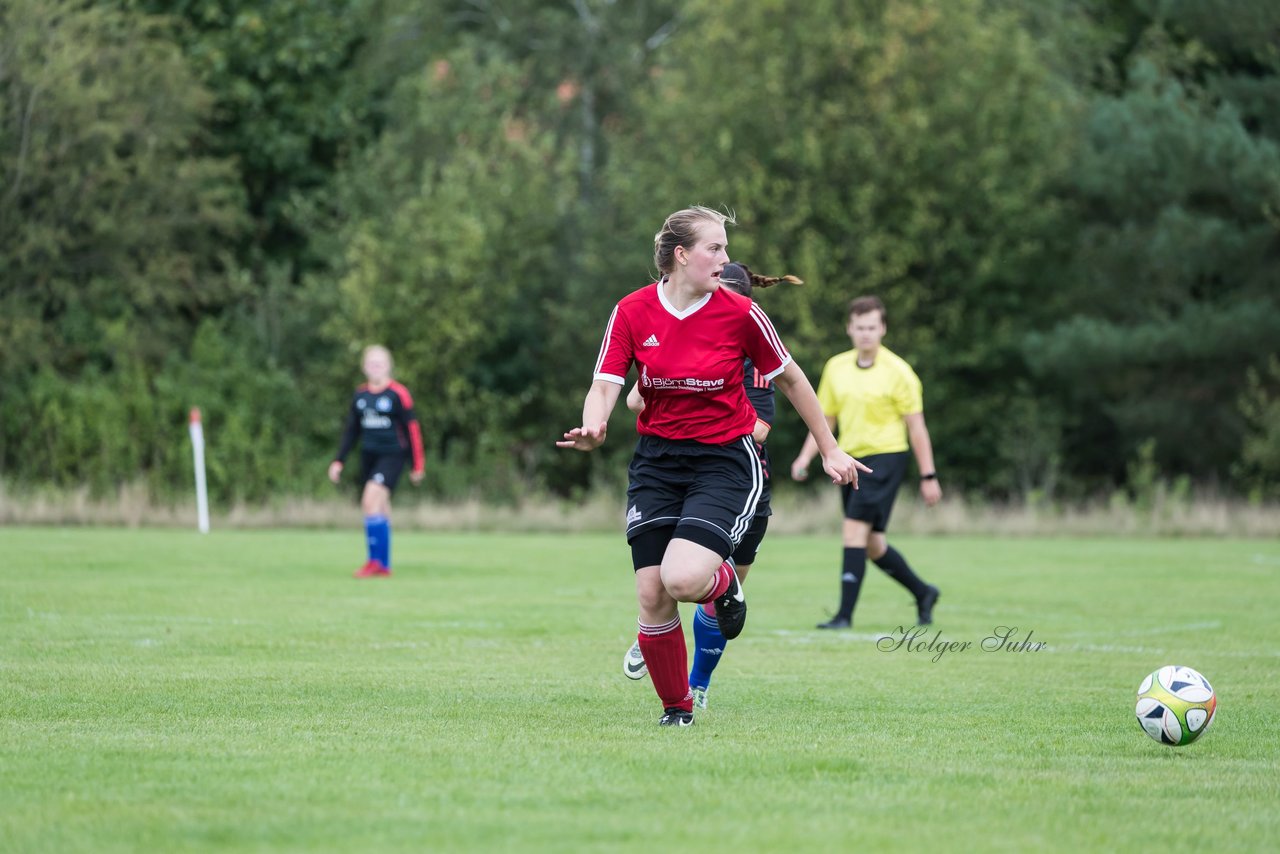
(372, 569)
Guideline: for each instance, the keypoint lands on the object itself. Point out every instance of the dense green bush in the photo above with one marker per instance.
(1069, 208)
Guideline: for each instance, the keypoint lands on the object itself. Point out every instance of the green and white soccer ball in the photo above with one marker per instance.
(1175, 705)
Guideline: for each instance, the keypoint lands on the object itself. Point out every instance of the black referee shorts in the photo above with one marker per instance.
(382, 469)
(708, 494)
(873, 500)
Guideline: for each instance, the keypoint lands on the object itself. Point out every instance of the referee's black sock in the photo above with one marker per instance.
(895, 565)
(851, 575)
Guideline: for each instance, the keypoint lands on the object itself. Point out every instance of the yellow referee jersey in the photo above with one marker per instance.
(869, 403)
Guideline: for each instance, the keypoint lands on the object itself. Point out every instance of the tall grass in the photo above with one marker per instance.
(1162, 514)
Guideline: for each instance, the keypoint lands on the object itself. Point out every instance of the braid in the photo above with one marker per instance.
(759, 281)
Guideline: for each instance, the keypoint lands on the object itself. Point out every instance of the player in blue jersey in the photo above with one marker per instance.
(709, 643)
(382, 418)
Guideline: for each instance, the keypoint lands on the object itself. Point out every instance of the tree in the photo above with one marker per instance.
(496, 148)
(112, 223)
(449, 225)
(1173, 294)
(1259, 466)
(909, 149)
(287, 107)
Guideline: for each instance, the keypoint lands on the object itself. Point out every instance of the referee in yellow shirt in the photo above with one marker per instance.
(873, 400)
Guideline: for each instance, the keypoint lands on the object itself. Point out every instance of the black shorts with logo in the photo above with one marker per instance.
(382, 469)
(873, 500)
(708, 494)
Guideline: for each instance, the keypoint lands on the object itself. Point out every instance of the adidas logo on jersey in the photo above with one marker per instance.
(651, 341)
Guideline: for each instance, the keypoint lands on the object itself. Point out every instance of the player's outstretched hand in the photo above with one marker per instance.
(335, 471)
(842, 468)
(415, 477)
(799, 470)
(584, 438)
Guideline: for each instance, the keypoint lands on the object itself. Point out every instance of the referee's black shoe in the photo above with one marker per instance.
(924, 605)
(731, 607)
(836, 622)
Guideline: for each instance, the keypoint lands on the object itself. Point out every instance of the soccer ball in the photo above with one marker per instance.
(1175, 705)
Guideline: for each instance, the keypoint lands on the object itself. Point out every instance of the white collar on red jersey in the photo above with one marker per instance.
(671, 309)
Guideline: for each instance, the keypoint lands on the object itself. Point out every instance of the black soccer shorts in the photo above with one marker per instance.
(708, 494)
(873, 500)
(382, 469)
(745, 553)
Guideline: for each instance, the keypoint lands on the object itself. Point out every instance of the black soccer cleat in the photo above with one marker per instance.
(924, 605)
(836, 622)
(731, 608)
(676, 717)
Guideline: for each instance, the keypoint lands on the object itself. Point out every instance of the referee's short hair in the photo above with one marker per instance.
(866, 305)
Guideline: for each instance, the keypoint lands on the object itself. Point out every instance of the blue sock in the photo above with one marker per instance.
(386, 542)
(378, 531)
(708, 646)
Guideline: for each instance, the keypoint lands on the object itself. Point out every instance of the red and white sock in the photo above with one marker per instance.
(723, 577)
(667, 658)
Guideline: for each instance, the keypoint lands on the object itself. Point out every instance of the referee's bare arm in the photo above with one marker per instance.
(809, 450)
(918, 433)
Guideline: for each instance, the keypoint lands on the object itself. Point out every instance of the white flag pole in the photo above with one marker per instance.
(197, 451)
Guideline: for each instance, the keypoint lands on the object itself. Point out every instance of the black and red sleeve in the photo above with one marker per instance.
(759, 392)
(412, 429)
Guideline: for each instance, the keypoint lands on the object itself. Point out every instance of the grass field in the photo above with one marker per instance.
(161, 691)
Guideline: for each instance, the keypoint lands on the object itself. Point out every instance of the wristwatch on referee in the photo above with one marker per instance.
(933, 475)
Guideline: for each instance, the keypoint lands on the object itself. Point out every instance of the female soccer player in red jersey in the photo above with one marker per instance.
(709, 644)
(382, 417)
(695, 477)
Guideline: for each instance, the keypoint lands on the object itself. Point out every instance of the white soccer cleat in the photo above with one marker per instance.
(699, 698)
(633, 666)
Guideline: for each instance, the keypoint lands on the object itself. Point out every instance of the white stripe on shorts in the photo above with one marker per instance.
(743, 522)
(631, 529)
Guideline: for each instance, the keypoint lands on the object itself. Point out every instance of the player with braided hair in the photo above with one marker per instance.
(695, 477)
(709, 643)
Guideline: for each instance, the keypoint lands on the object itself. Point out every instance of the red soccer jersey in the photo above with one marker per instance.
(691, 361)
